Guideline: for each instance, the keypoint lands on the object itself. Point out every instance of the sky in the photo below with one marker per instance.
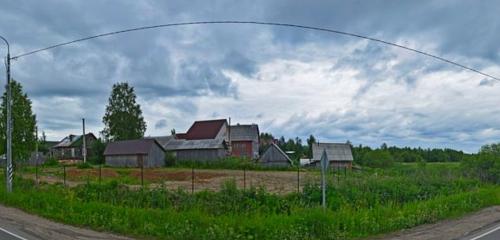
(291, 82)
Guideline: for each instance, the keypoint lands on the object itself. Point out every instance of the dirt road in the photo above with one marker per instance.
(481, 225)
(18, 225)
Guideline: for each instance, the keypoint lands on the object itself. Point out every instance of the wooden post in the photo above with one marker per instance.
(36, 173)
(100, 173)
(141, 160)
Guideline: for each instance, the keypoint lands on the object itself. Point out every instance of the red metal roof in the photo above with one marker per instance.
(207, 129)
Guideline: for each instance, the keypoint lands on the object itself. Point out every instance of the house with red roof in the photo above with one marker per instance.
(204, 141)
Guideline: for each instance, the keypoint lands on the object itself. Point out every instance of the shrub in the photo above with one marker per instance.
(51, 162)
(83, 165)
(170, 159)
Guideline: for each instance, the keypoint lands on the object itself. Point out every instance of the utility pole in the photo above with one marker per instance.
(84, 149)
(10, 170)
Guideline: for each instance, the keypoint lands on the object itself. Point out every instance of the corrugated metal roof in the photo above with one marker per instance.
(182, 144)
(207, 129)
(245, 132)
(334, 151)
(162, 140)
(130, 147)
(70, 140)
(266, 157)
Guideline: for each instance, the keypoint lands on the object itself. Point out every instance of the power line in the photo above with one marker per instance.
(260, 23)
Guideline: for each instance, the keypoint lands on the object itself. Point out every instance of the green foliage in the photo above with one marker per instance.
(170, 159)
(97, 148)
(51, 162)
(378, 158)
(24, 124)
(485, 166)
(82, 165)
(366, 204)
(123, 118)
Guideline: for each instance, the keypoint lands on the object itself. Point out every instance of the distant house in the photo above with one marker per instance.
(338, 154)
(274, 156)
(244, 140)
(146, 153)
(70, 147)
(204, 141)
(207, 129)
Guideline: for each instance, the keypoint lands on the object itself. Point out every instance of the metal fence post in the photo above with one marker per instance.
(192, 180)
(100, 173)
(142, 174)
(244, 179)
(64, 175)
(298, 179)
(36, 173)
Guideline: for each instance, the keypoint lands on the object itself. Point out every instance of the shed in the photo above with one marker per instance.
(135, 153)
(197, 150)
(338, 154)
(244, 140)
(274, 156)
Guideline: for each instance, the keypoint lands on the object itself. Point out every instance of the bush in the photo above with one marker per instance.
(378, 159)
(51, 162)
(170, 159)
(83, 165)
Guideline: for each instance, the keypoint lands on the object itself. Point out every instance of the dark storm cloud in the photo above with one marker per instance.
(74, 81)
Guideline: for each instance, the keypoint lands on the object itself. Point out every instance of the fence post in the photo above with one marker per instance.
(36, 172)
(244, 178)
(142, 174)
(298, 178)
(100, 173)
(192, 180)
(64, 175)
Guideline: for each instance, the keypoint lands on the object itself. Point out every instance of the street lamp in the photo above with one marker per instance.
(10, 170)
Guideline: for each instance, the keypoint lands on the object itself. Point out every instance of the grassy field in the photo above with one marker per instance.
(360, 204)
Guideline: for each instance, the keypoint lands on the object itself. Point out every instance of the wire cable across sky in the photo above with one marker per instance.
(304, 27)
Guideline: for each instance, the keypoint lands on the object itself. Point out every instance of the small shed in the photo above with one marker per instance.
(202, 150)
(146, 153)
(339, 154)
(244, 140)
(275, 157)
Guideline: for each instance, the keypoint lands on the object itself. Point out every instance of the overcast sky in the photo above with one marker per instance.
(291, 82)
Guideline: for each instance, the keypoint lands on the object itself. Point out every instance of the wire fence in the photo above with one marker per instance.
(188, 179)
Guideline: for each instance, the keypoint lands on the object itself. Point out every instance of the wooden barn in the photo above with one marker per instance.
(275, 157)
(244, 140)
(339, 154)
(71, 147)
(145, 153)
(197, 150)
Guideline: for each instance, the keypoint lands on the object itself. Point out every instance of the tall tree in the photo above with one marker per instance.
(123, 118)
(310, 141)
(23, 124)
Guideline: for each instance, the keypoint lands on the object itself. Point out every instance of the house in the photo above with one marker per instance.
(274, 156)
(146, 153)
(70, 147)
(339, 154)
(204, 141)
(244, 140)
(206, 129)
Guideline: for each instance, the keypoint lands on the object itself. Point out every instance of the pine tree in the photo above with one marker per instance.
(23, 124)
(123, 118)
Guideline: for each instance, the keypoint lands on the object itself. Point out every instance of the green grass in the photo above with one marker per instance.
(362, 204)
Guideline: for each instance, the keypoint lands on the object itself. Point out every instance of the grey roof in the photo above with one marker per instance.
(269, 156)
(162, 140)
(70, 140)
(182, 144)
(334, 151)
(131, 147)
(245, 132)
